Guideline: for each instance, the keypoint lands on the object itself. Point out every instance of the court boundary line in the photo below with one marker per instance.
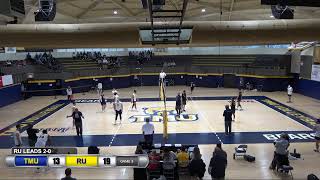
(200, 112)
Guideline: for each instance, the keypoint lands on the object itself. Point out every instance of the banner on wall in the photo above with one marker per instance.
(10, 50)
(315, 74)
(6, 80)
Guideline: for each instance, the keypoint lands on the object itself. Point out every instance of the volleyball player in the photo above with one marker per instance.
(134, 100)
(43, 140)
(192, 85)
(118, 108)
(233, 108)
(290, 90)
(103, 102)
(184, 100)
(178, 104)
(17, 136)
(69, 93)
(317, 135)
(115, 95)
(72, 110)
(100, 89)
(239, 99)
(162, 76)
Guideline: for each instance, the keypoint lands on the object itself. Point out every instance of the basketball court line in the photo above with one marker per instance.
(302, 118)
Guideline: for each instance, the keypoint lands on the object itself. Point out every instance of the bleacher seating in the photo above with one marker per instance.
(223, 61)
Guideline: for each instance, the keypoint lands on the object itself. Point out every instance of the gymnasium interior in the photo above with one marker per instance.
(181, 62)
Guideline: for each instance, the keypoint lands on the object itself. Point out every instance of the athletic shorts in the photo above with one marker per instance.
(289, 95)
(317, 138)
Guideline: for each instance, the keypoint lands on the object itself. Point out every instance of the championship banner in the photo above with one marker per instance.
(315, 74)
(6, 80)
(10, 50)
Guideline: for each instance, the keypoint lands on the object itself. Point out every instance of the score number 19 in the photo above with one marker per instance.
(106, 161)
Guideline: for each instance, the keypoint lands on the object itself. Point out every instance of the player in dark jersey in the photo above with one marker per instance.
(233, 107)
(192, 85)
(239, 99)
(103, 102)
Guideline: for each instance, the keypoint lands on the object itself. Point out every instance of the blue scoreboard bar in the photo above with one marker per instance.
(31, 161)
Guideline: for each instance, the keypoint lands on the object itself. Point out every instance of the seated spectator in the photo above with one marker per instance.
(196, 151)
(139, 173)
(183, 158)
(154, 161)
(93, 150)
(218, 163)
(280, 156)
(169, 157)
(8, 63)
(28, 57)
(68, 175)
(197, 167)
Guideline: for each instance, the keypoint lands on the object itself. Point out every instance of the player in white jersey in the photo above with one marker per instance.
(100, 88)
(162, 76)
(115, 95)
(43, 139)
(290, 91)
(134, 100)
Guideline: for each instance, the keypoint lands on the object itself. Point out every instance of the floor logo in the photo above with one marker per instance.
(155, 114)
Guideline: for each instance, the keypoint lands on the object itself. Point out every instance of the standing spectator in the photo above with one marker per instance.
(100, 88)
(17, 136)
(218, 163)
(197, 167)
(317, 135)
(69, 93)
(139, 173)
(290, 90)
(118, 108)
(227, 119)
(32, 135)
(184, 100)
(68, 175)
(148, 131)
(178, 104)
(192, 85)
(77, 116)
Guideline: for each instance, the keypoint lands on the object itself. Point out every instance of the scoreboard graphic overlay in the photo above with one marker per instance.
(46, 157)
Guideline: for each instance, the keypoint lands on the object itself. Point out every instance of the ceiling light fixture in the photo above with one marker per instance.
(115, 12)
